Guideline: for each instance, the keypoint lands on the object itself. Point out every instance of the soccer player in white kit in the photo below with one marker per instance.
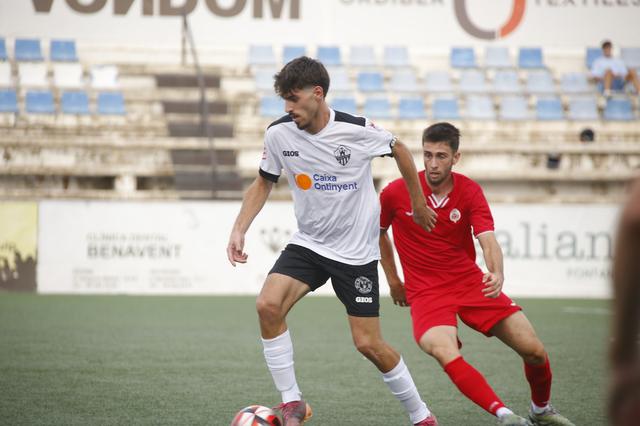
(327, 155)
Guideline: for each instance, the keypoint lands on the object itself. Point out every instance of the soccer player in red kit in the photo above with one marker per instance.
(443, 282)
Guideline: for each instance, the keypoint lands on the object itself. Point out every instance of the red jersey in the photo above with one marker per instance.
(445, 256)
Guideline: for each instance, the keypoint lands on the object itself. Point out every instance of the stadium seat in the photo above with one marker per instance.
(74, 103)
(473, 81)
(63, 51)
(6, 79)
(362, 56)
(68, 76)
(330, 56)
(514, 108)
(111, 103)
(575, 83)
(438, 82)
(379, 108)
(289, 53)
(104, 77)
(618, 110)
(591, 55)
(631, 56)
(506, 81)
(340, 81)
(28, 50)
(583, 109)
(39, 102)
(549, 109)
(261, 56)
(33, 75)
(271, 106)
(479, 107)
(497, 57)
(3, 50)
(396, 56)
(540, 82)
(8, 101)
(411, 109)
(347, 105)
(370, 82)
(404, 80)
(445, 109)
(462, 57)
(530, 58)
(263, 79)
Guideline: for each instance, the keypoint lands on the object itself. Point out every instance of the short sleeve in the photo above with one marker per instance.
(481, 218)
(270, 166)
(377, 140)
(386, 207)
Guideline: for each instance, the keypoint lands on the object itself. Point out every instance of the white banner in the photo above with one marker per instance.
(414, 23)
(180, 248)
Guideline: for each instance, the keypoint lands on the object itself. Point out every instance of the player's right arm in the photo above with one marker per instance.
(252, 203)
(388, 262)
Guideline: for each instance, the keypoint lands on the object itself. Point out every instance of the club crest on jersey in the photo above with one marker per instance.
(364, 285)
(455, 215)
(343, 154)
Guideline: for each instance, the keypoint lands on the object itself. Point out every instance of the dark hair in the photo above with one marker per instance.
(606, 44)
(442, 132)
(300, 73)
(587, 135)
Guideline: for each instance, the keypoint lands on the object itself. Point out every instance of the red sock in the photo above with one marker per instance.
(473, 385)
(539, 377)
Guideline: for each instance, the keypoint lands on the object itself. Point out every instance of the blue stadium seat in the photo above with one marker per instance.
(514, 108)
(340, 81)
(540, 82)
(291, 52)
(370, 82)
(462, 57)
(271, 106)
(8, 101)
(583, 109)
(574, 83)
(618, 110)
(530, 58)
(438, 82)
(377, 108)
(3, 50)
(404, 80)
(63, 51)
(75, 103)
(40, 102)
(111, 103)
(261, 55)
(263, 79)
(506, 81)
(28, 50)
(549, 109)
(591, 55)
(329, 56)
(479, 107)
(497, 57)
(631, 56)
(347, 105)
(445, 109)
(411, 108)
(362, 56)
(396, 56)
(473, 81)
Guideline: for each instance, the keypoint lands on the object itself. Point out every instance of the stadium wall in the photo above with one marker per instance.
(180, 248)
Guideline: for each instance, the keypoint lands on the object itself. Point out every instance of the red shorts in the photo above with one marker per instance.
(474, 309)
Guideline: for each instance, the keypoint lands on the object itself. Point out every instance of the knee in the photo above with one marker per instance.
(268, 310)
(443, 353)
(608, 73)
(368, 346)
(535, 354)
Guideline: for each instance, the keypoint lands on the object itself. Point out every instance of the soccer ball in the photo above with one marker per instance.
(256, 415)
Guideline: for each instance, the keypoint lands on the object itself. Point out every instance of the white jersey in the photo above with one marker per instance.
(329, 174)
(603, 64)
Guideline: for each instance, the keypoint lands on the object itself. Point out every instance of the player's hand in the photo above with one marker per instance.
(235, 247)
(492, 284)
(424, 216)
(398, 294)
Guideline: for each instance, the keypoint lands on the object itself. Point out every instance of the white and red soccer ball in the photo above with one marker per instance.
(256, 415)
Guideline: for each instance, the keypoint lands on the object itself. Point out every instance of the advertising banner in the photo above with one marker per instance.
(18, 241)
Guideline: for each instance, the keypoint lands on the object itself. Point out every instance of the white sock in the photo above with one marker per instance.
(538, 410)
(503, 411)
(278, 352)
(402, 387)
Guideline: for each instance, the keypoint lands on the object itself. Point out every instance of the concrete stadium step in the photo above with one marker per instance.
(188, 130)
(194, 107)
(225, 157)
(186, 80)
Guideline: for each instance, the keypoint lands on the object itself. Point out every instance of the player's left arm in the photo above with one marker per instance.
(494, 278)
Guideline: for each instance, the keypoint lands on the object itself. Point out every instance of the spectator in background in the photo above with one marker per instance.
(587, 135)
(624, 398)
(612, 73)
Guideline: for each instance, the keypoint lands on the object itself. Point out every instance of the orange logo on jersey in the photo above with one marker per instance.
(303, 181)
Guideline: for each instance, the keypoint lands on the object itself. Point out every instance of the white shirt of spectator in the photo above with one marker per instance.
(602, 64)
(329, 175)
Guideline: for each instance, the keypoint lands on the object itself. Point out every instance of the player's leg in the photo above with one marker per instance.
(632, 76)
(517, 332)
(607, 81)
